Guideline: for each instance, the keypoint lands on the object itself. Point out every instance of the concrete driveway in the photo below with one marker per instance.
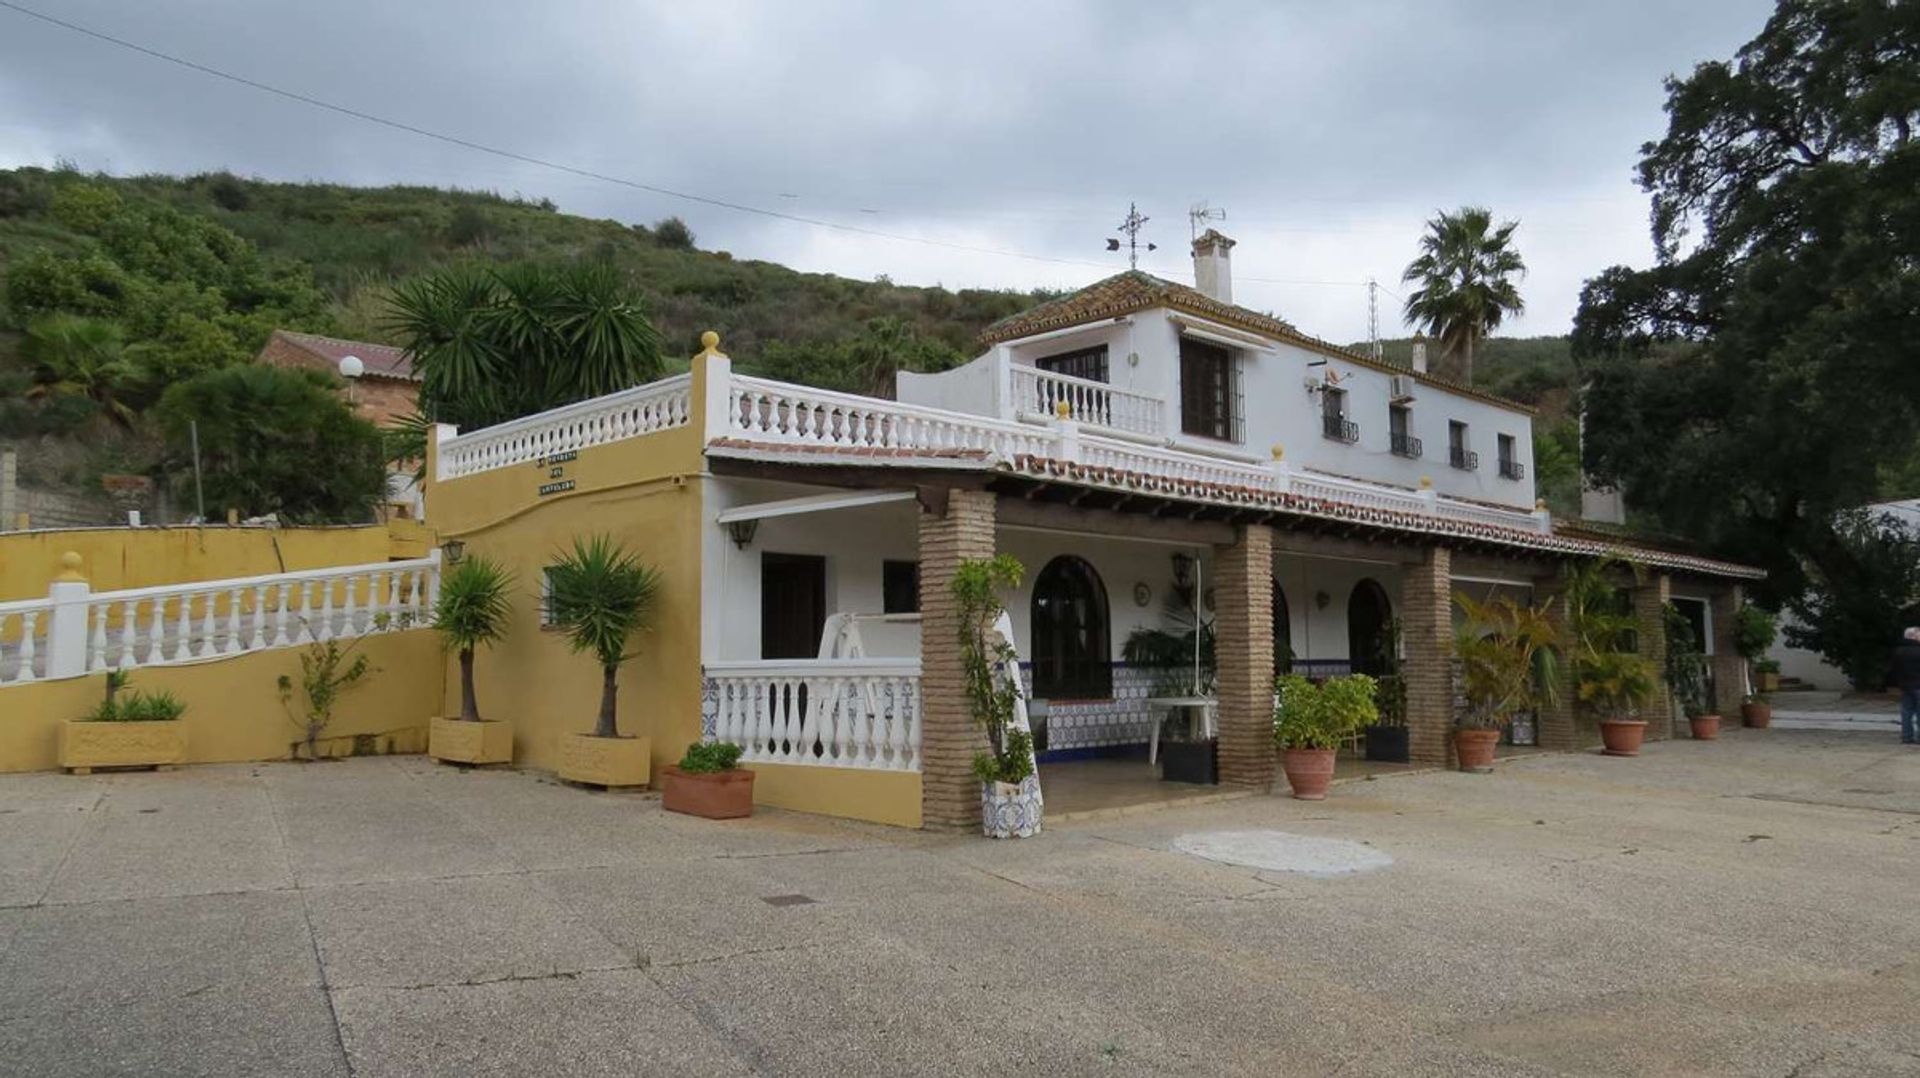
(1750, 906)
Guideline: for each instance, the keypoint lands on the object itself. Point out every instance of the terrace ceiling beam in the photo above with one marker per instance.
(1086, 521)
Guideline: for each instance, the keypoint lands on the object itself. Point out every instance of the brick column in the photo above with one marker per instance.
(1559, 725)
(949, 794)
(1649, 610)
(1243, 645)
(1426, 630)
(1729, 669)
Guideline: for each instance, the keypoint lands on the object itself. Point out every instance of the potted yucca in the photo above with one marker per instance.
(601, 596)
(471, 613)
(1610, 678)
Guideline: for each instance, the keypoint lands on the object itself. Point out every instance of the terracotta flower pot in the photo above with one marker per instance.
(1309, 772)
(1705, 727)
(716, 795)
(1622, 737)
(1757, 715)
(1475, 748)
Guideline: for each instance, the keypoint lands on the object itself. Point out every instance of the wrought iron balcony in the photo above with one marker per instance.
(1404, 445)
(1512, 469)
(1340, 428)
(1464, 459)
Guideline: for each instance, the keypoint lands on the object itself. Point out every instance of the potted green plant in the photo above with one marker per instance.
(1754, 631)
(1309, 723)
(1611, 680)
(472, 612)
(1767, 672)
(1507, 665)
(1756, 712)
(1686, 675)
(601, 595)
(708, 782)
(131, 730)
(1010, 803)
(1386, 739)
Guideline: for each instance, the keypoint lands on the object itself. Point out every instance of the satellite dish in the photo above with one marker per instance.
(352, 367)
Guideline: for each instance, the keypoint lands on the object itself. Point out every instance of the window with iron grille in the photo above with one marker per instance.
(1333, 416)
(1088, 363)
(1209, 391)
(1510, 467)
(1457, 452)
(1400, 439)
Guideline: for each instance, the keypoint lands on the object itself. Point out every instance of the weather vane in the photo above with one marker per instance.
(1131, 226)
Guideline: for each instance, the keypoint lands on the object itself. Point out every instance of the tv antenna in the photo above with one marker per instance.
(1202, 212)
(1131, 226)
(1373, 318)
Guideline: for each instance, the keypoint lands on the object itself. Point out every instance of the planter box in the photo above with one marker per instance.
(718, 795)
(459, 742)
(1388, 744)
(1190, 761)
(1010, 810)
(1769, 682)
(87, 745)
(606, 761)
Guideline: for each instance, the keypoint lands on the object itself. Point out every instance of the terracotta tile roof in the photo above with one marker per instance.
(1126, 293)
(382, 360)
(1569, 540)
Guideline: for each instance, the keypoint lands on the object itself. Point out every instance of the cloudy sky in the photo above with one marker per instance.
(1003, 140)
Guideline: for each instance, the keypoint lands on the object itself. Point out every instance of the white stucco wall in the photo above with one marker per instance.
(1143, 354)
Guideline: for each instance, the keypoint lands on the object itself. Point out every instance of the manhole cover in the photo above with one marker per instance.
(787, 900)
(1278, 851)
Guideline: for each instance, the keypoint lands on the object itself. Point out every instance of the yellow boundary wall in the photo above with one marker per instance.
(234, 712)
(890, 797)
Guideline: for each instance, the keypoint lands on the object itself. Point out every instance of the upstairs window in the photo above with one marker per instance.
(1333, 416)
(1510, 467)
(1088, 363)
(1209, 391)
(1400, 439)
(1458, 454)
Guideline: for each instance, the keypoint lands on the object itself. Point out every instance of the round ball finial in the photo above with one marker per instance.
(1540, 504)
(70, 566)
(1426, 482)
(1279, 451)
(1063, 409)
(710, 341)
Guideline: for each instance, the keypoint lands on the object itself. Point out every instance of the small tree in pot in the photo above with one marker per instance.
(1610, 679)
(472, 612)
(1686, 675)
(1507, 664)
(1309, 723)
(1010, 805)
(602, 595)
(1754, 631)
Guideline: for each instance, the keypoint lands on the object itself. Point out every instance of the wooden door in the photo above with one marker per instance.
(793, 605)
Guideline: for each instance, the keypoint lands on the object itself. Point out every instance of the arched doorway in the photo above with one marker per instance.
(1072, 658)
(1369, 632)
(1282, 631)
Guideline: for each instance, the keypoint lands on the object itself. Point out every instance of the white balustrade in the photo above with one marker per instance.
(1354, 492)
(1040, 393)
(854, 713)
(778, 412)
(1456, 509)
(176, 623)
(629, 413)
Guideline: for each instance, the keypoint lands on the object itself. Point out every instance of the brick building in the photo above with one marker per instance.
(386, 391)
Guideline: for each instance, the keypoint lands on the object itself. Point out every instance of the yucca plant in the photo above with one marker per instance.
(472, 611)
(602, 595)
(1507, 661)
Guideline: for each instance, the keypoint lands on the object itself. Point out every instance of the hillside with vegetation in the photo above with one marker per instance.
(116, 288)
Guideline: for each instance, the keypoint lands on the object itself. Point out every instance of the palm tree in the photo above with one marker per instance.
(601, 595)
(82, 356)
(472, 611)
(1464, 278)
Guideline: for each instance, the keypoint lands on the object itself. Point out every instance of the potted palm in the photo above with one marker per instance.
(1686, 675)
(1309, 723)
(708, 782)
(471, 613)
(601, 595)
(1507, 665)
(1610, 679)
(1010, 803)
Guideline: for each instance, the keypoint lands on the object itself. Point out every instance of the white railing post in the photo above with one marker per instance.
(441, 434)
(67, 639)
(1005, 403)
(1542, 519)
(1282, 471)
(716, 373)
(1429, 497)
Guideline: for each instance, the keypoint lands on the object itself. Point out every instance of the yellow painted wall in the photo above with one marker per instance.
(645, 493)
(890, 797)
(116, 558)
(234, 712)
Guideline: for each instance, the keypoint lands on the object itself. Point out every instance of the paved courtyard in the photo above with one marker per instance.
(1750, 906)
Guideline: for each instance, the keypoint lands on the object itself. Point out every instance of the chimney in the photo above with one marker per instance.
(1212, 271)
(1419, 353)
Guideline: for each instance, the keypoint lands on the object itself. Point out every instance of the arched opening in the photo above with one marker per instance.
(1369, 636)
(1071, 655)
(1282, 631)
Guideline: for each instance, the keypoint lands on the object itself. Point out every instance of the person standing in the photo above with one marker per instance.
(1906, 674)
